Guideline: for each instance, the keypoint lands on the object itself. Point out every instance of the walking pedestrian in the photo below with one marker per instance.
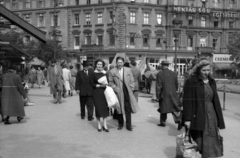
(202, 111)
(166, 88)
(137, 78)
(122, 82)
(40, 77)
(32, 76)
(73, 79)
(55, 81)
(99, 99)
(85, 90)
(13, 96)
(66, 79)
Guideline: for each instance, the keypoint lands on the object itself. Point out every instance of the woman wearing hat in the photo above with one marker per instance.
(202, 111)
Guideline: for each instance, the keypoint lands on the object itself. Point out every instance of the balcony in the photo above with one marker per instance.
(92, 47)
(204, 49)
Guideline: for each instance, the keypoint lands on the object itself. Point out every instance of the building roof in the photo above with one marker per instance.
(16, 20)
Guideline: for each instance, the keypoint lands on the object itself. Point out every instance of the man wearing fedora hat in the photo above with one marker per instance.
(85, 90)
(166, 86)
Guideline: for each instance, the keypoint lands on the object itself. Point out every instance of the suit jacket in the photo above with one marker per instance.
(137, 77)
(167, 86)
(83, 83)
(194, 103)
(116, 83)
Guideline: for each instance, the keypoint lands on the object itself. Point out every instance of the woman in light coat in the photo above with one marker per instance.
(40, 77)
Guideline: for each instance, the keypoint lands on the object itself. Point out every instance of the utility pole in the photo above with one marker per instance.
(54, 29)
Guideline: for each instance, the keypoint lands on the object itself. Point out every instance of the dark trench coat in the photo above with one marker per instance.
(166, 88)
(194, 103)
(12, 95)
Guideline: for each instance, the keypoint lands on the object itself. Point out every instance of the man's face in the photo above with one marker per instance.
(53, 64)
(85, 68)
(120, 63)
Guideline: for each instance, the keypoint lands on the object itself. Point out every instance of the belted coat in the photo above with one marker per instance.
(55, 77)
(194, 103)
(116, 83)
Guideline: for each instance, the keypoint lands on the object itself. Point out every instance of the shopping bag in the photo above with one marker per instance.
(186, 147)
(103, 80)
(111, 98)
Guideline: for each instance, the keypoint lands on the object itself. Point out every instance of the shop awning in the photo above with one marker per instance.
(222, 66)
(16, 20)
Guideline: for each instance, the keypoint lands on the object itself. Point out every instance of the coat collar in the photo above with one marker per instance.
(196, 78)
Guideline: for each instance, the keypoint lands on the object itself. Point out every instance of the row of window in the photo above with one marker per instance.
(216, 22)
(214, 3)
(55, 19)
(99, 40)
(145, 41)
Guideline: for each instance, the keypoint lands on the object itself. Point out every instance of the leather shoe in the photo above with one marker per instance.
(120, 128)
(82, 117)
(129, 128)
(162, 124)
(90, 119)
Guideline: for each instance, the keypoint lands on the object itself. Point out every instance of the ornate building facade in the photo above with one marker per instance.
(102, 28)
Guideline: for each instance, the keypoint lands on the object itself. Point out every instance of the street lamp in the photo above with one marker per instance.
(177, 22)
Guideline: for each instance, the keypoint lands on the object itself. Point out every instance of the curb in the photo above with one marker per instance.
(229, 92)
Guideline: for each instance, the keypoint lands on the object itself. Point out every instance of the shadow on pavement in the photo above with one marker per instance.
(153, 120)
(172, 131)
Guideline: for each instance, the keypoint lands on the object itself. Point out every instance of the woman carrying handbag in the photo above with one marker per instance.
(202, 109)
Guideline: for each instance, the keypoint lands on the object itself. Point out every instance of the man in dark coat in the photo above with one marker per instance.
(137, 78)
(85, 90)
(13, 96)
(166, 86)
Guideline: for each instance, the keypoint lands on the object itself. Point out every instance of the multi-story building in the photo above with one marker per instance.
(102, 28)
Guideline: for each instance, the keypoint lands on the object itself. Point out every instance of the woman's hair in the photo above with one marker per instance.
(71, 67)
(99, 60)
(119, 58)
(198, 66)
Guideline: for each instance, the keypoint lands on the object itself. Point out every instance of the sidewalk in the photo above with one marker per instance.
(57, 131)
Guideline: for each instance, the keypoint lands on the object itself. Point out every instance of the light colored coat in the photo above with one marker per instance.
(55, 78)
(116, 83)
(66, 78)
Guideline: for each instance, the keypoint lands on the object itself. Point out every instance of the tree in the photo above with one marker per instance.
(234, 48)
(43, 51)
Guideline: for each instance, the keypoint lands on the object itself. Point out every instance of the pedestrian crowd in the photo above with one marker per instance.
(196, 107)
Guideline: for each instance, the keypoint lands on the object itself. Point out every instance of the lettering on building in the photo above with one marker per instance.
(206, 10)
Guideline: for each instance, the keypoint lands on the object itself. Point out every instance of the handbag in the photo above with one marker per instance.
(186, 147)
